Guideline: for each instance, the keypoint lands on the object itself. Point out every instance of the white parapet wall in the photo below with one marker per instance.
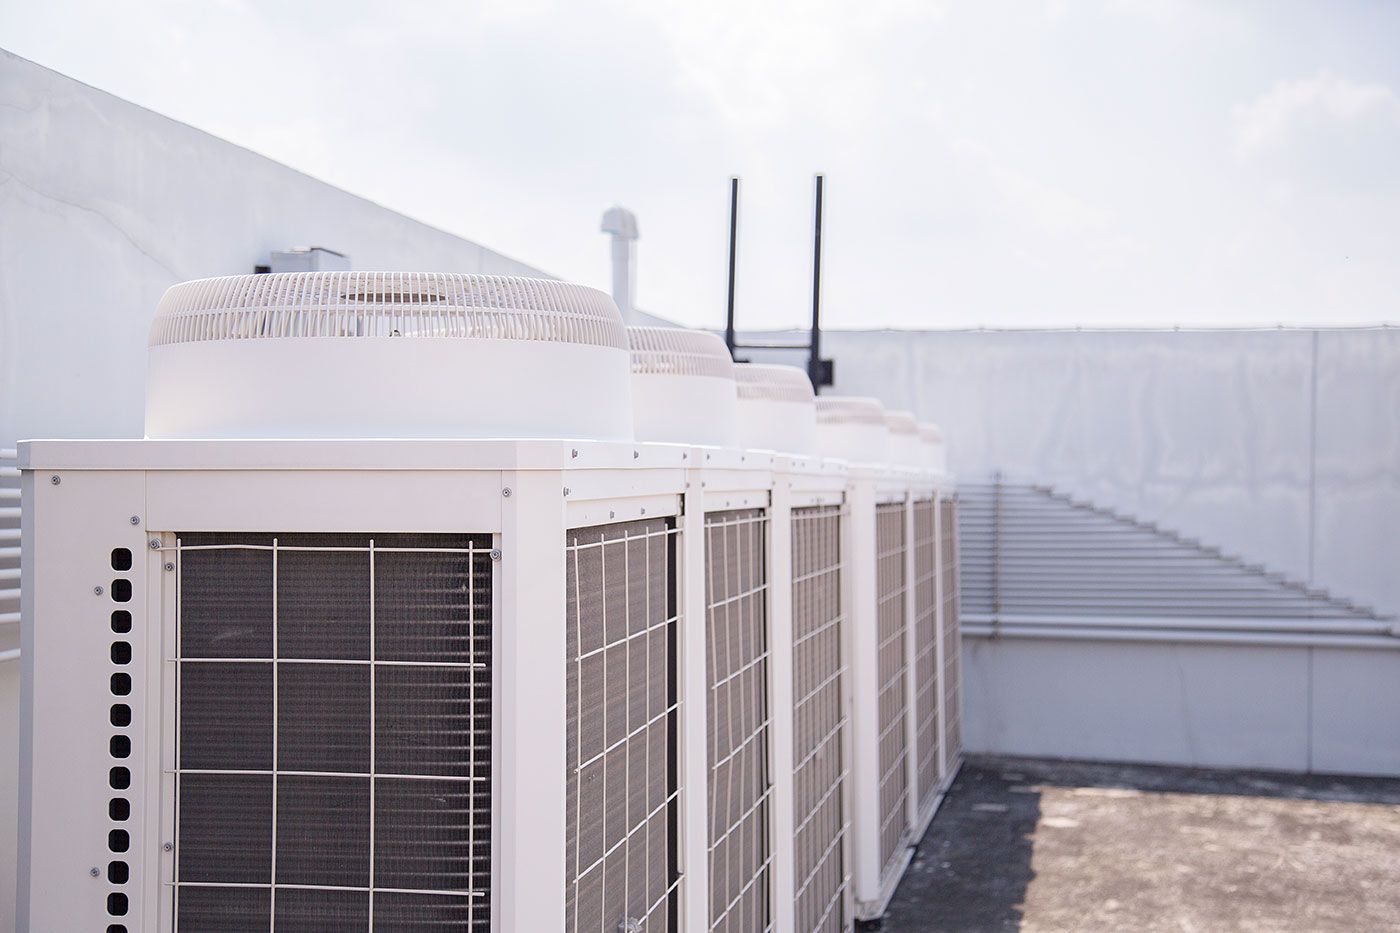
(1248, 702)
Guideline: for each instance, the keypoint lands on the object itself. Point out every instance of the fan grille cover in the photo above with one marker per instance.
(740, 785)
(893, 702)
(819, 720)
(621, 851)
(333, 731)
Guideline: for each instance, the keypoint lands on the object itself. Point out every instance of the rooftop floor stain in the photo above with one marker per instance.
(1039, 846)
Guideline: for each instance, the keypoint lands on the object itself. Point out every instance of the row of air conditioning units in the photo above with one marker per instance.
(352, 638)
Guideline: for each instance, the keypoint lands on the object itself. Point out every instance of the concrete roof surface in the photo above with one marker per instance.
(1036, 845)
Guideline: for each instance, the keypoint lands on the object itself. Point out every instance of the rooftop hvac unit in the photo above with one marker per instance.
(682, 387)
(852, 428)
(344, 682)
(904, 444)
(899, 763)
(777, 409)
(401, 671)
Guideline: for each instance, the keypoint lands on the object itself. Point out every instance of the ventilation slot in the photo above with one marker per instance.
(621, 851)
(893, 703)
(333, 728)
(736, 623)
(952, 636)
(119, 715)
(9, 550)
(819, 721)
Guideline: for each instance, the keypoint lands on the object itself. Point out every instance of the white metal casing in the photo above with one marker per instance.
(418, 486)
(683, 388)
(904, 444)
(852, 428)
(777, 409)
(933, 451)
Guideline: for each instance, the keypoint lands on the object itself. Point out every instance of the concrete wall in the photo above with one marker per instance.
(105, 205)
(1282, 446)
(1331, 710)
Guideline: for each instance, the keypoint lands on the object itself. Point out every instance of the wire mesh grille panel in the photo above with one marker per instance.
(891, 587)
(333, 732)
(736, 622)
(622, 848)
(952, 636)
(818, 671)
(926, 634)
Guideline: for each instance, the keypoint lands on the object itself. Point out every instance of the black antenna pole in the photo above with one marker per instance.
(733, 242)
(814, 357)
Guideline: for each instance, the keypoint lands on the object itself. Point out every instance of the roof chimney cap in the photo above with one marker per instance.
(620, 222)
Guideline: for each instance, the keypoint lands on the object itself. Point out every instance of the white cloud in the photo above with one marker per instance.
(1326, 103)
(1095, 190)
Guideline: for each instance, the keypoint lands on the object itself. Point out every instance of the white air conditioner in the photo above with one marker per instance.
(353, 638)
(900, 763)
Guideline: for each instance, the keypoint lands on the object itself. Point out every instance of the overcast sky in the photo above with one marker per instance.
(1030, 163)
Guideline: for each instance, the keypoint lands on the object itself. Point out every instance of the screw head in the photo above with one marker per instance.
(94, 871)
(169, 847)
(567, 490)
(136, 519)
(169, 565)
(636, 454)
(97, 591)
(154, 544)
(506, 492)
(495, 553)
(574, 454)
(55, 480)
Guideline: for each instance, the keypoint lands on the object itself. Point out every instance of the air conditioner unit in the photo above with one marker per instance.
(390, 669)
(899, 760)
(353, 638)
(811, 632)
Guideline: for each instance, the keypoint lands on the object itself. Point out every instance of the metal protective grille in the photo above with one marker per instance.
(333, 732)
(893, 703)
(621, 852)
(926, 634)
(819, 720)
(952, 636)
(736, 621)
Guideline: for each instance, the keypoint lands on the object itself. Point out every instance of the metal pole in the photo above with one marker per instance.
(815, 353)
(733, 243)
